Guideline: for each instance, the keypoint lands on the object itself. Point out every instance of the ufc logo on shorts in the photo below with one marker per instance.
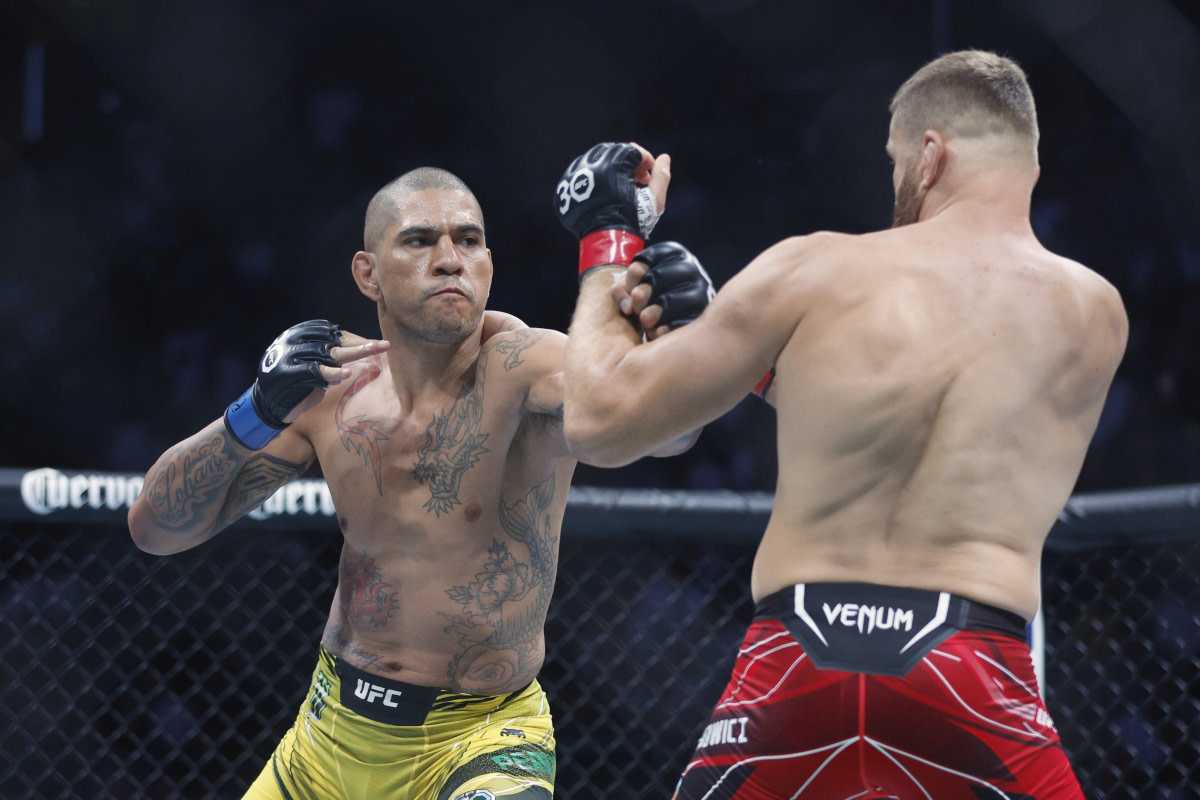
(372, 693)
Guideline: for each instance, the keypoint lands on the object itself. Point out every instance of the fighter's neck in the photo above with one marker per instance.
(419, 368)
(988, 200)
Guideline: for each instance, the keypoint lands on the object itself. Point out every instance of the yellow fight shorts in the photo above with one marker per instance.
(361, 736)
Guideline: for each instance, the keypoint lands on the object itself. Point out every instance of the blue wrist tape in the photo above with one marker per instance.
(246, 426)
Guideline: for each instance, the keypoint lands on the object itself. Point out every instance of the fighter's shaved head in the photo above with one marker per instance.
(382, 210)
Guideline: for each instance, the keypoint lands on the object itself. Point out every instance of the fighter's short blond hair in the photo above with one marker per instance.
(967, 93)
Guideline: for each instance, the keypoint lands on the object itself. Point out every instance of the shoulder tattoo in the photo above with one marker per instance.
(511, 347)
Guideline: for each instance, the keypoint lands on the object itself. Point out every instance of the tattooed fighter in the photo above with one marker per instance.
(442, 445)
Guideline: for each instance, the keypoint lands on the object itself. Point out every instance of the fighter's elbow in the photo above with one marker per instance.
(154, 539)
(594, 443)
(148, 543)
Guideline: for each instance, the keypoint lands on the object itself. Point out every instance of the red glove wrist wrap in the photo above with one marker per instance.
(610, 246)
(765, 383)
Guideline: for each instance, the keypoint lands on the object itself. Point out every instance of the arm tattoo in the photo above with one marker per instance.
(257, 480)
(504, 608)
(359, 434)
(185, 488)
(453, 444)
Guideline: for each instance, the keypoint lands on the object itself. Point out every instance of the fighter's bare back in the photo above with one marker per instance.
(935, 401)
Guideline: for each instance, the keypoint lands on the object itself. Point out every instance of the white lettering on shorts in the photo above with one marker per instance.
(724, 731)
(365, 690)
(868, 618)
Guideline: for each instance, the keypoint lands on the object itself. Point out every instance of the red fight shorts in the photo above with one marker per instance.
(861, 691)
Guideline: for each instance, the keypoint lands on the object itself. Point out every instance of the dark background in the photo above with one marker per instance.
(180, 181)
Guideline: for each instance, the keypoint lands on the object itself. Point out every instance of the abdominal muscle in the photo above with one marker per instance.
(412, 621)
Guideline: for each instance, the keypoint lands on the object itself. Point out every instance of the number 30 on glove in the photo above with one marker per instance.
(609, 212)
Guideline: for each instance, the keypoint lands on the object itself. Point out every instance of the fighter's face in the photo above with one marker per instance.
(434, 268)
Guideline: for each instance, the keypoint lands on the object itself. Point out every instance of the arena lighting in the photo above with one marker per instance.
(1145, 55)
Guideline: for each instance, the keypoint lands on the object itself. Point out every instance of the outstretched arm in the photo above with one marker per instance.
(209, 480)
(625, 398)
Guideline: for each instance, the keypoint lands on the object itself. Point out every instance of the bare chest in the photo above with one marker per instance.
(378, 454)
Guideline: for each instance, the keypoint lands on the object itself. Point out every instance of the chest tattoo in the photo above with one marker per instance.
(358, 434)
(453, 444)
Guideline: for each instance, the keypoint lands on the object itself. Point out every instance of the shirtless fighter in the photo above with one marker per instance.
(937, 385)
(443, 448)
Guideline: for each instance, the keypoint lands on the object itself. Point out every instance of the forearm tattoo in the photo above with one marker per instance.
(258, 479)
(504, 609)
(193, 478)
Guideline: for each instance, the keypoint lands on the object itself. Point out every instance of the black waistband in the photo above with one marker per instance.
(885, 630)
(968, 614)
(398, 703)
(382, 699)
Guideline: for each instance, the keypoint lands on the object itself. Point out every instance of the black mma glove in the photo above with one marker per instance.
(677, 282)
(680, 285)
(608, 211)
(288, 372)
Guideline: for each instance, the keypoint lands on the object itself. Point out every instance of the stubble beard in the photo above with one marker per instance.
(422, 324)
(443, 330)
(907, 208)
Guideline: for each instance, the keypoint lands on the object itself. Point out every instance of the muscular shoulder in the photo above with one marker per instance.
(785, 277)
(797, 251)
(499, 322)
(1103, 308)
(525, 351)
(527, 361)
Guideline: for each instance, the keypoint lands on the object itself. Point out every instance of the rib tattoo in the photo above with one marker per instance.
(504, 608)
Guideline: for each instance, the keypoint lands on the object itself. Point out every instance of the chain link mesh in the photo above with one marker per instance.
(129, 676)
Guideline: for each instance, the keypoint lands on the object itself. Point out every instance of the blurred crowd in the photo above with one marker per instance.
(199, 180)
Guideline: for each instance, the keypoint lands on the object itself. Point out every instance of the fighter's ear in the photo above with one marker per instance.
(933, 158)
(363, 268)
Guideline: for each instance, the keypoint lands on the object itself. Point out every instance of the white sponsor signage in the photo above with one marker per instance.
(46, 490)
(308, 497)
